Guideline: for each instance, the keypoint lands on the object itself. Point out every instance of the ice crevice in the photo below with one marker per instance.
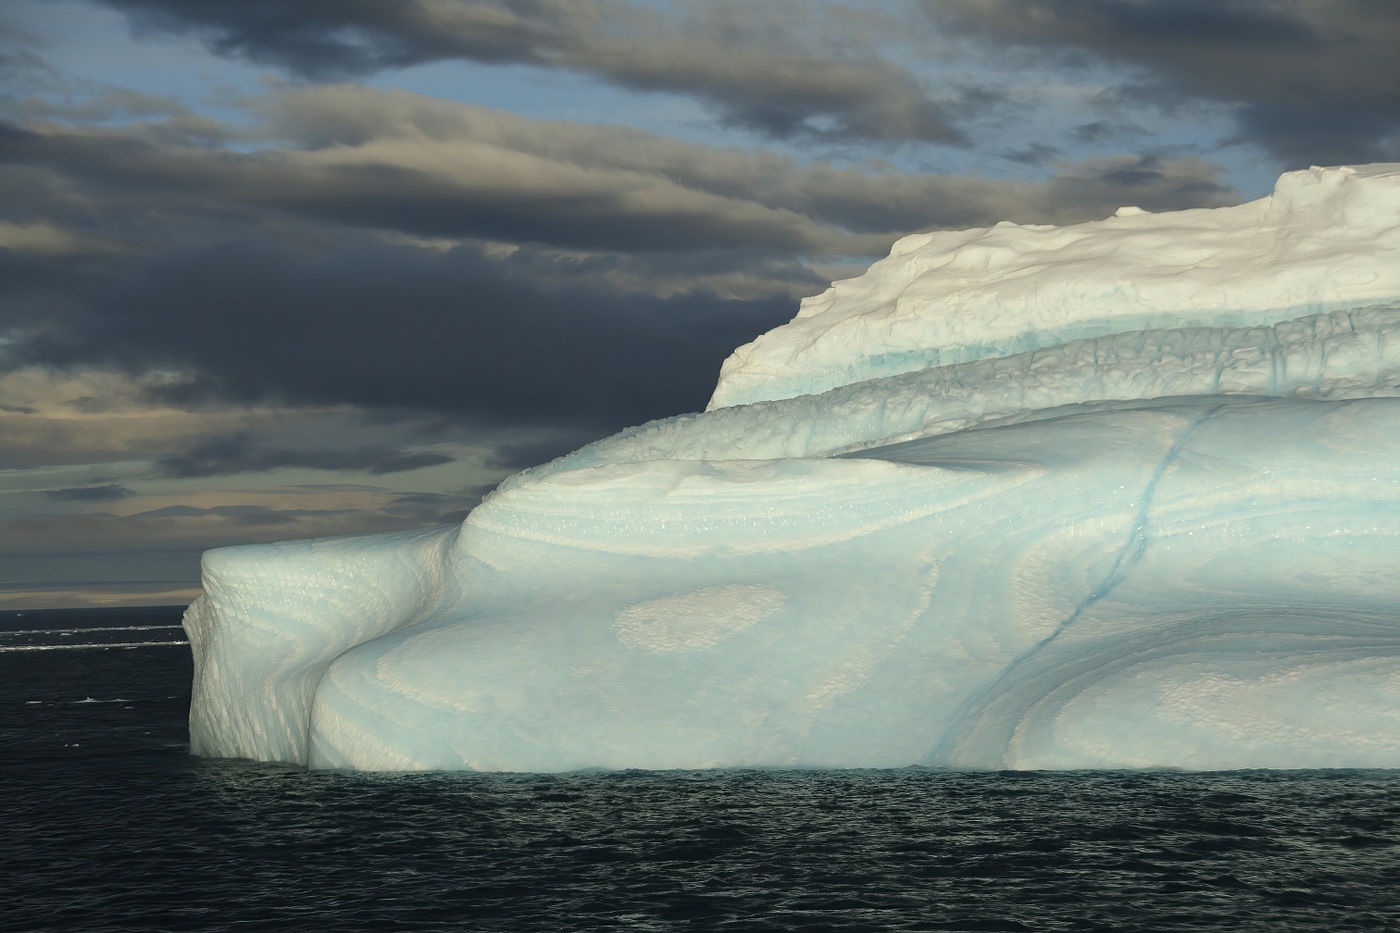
(1130, 554)
(1136, 545)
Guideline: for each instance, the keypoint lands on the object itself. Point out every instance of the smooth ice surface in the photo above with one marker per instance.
(1130, 499)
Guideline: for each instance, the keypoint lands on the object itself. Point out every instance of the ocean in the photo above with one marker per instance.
(111, 825)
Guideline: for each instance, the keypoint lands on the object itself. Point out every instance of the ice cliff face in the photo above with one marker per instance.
(1124, 494)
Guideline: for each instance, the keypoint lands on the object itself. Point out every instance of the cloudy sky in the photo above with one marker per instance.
(289, 268)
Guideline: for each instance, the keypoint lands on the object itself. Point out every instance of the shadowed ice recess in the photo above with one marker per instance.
(1121, 494)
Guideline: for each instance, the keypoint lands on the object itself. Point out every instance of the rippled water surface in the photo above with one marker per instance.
(109, 824)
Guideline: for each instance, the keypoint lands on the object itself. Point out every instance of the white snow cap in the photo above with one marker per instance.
(1326, 239)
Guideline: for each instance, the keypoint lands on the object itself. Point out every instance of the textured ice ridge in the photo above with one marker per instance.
(1326, 239)
(1168, 538)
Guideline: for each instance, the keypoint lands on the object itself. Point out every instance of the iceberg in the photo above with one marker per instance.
(1124, 494)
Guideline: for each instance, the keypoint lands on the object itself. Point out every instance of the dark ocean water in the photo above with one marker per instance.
(109, 824)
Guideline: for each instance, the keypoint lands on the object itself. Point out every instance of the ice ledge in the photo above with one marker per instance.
(1333, 356)
(1326, 239)
(274, 616)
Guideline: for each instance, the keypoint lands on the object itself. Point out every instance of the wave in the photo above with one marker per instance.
(80, 631)
(113, 644)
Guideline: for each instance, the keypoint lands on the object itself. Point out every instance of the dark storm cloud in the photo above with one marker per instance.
(109, 492)
(745, 62)
(378, 326)
(236, 453)
(1313, 81)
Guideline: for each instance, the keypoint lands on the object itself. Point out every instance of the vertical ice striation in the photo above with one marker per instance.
(1124, 494)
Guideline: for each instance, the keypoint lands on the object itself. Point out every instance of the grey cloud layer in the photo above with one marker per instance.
(400, 161)
(812, 206)
(589, 274)
(745, 62)
(1313, 81)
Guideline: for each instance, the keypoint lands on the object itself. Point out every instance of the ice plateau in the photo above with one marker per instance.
(1122, 494)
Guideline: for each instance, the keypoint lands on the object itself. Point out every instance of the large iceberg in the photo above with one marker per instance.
(1120, 494)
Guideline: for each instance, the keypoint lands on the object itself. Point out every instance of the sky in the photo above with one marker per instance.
(276, 269)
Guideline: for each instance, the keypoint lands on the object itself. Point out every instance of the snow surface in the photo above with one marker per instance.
(1123, 494)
